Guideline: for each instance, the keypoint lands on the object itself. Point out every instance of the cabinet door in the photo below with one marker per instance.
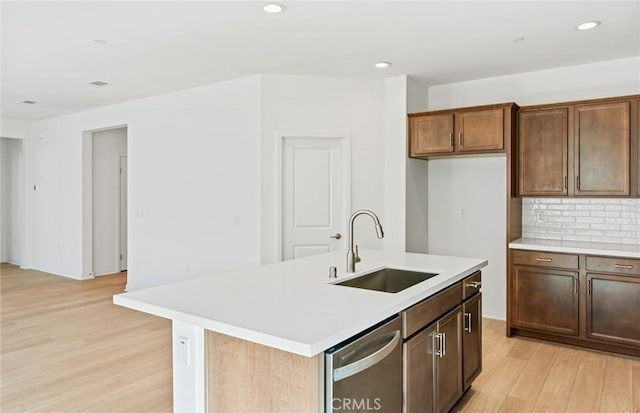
(448, 361)
(471, 339)
(431, 134)
(480, 131)
(602, 149)
(545, 299)
(542, 152)
(418, 372)
(613, 308)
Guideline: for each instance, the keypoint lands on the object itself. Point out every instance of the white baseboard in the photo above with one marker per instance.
(73, 277)
(494, 316)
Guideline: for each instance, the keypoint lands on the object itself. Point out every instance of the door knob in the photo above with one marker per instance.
(337, 236)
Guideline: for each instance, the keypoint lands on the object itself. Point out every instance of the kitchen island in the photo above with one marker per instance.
(277, 320)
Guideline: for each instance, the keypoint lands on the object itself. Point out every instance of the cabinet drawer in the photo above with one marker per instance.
(427, 311)
(616, 265)
(471, 285)
(545, 259)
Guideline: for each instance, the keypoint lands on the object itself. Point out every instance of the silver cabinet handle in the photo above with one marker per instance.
(467, 328)
(372, 359)
(460, 139)
(444, 344)
(624, 266)
(451, 138)
(337, 236)
(441, 341)
(474, 284)
(438, 344)
(575, 286)
(544, 259)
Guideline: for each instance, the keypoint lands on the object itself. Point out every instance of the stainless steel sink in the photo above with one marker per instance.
(388, 280)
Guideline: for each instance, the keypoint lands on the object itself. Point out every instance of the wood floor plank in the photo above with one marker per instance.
(587, 389)
(527, 388)
(551, 403)
(617, 391)
(563, 372)
(636, 385)
(67, 348)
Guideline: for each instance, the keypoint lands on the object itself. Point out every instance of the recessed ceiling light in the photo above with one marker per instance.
(100, 41)
(274, 8)
(98, 83)
(588, 25)
(382, 65)
(28, 102)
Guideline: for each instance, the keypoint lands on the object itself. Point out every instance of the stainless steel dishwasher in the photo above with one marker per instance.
(365, 374)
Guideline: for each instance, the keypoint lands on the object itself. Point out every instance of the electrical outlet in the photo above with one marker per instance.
(463, 213)
(182, 351)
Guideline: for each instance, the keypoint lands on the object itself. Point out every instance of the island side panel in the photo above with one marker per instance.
(245, 376)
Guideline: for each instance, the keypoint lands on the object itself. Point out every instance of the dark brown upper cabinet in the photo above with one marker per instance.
(476, 130)
(431, 134)
(602, 149)
(543, 152)
(582, 148)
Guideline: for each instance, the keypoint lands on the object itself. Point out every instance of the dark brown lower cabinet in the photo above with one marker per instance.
(419, 372)
(545, 299)
(471, 339)
(448, 359)
(438, 332)
(613, 308)
(433, 366)
(586, 300)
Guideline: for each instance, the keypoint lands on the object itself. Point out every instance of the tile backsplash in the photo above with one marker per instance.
(582, 219)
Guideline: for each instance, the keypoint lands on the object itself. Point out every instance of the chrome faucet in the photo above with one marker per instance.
(352, 254)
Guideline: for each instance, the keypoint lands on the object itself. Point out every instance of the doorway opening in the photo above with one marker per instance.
(105, 176)
(12, 221)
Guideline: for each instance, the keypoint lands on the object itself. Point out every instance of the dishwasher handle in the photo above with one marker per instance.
(366, 362)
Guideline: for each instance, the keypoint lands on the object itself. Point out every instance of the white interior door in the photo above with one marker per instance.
(314, 195)
(123, 213)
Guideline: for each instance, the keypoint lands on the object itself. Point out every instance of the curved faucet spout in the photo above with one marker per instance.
(352, 253)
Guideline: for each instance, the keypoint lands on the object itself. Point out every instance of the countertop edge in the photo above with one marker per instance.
(615, 250)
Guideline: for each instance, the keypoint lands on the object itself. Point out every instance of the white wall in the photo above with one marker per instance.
(596, 80)
(12, 201)
(311, 104)
(417, 172)
(13, 128)
(477, 186)
(107, 146)
(612, 78)
(395, 160)
(194, 183)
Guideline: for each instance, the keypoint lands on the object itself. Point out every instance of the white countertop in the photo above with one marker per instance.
(292, 305)
(578, 247)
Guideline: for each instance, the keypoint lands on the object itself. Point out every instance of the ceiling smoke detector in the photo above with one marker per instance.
(28, 102)
(98, 83)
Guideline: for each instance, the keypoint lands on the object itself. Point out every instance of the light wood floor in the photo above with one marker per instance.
(520, 375)
(65, 347)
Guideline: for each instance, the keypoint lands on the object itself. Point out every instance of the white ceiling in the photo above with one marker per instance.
(153, 47)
